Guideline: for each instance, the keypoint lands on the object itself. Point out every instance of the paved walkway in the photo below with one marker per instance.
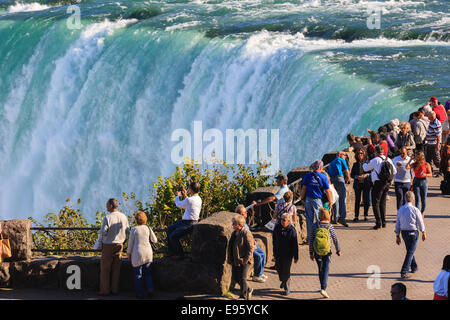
(361, 246)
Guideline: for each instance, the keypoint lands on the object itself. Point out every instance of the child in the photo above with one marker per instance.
(140, 253)
(320, 247)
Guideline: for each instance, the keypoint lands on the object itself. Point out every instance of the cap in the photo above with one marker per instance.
(433, 99)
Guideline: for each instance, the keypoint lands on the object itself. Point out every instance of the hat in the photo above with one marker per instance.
(282, 177)
(316, 165)
(433, 99)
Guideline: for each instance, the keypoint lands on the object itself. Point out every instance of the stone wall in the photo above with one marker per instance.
(19, 234)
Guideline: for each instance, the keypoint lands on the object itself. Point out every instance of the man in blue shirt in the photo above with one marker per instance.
(314, 184)
(339, 176)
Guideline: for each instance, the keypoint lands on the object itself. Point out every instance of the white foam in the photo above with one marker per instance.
(27, 7)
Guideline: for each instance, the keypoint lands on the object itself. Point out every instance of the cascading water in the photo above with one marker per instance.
(88, 113)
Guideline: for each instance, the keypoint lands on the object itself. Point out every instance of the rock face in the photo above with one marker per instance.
(19, 234)
(37, 273)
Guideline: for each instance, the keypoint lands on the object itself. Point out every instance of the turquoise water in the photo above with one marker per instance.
(89, 112)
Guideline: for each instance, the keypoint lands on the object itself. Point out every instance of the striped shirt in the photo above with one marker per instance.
(332, 233)
(409, 218)
(433, 132)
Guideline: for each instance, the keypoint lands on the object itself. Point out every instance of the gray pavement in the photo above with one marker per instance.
(364, 251)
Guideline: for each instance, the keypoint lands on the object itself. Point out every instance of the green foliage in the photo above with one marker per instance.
(222, 188)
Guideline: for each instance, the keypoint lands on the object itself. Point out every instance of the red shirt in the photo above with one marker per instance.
(440, 113)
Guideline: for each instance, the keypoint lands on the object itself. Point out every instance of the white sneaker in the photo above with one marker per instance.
(324, 294)
(258, 279)
(264, 276)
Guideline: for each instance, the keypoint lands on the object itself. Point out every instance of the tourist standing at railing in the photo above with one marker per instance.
(340, 176)
(240, 255)
(140, 254)
(259, 256)
(192, 205)
(405, 138)
(380, 187)
(419, 129)
(362, 184)
(113, 234)
(314, 185)
(433, 140)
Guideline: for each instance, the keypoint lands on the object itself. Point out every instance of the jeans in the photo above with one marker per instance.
(259, 258)
(175, 232)
(400, 191)
(339, 185)
(420, 187)
(312, 207)
(362, 189)
(379, 193)
(410, 238)
(323, 263)
(141, 272)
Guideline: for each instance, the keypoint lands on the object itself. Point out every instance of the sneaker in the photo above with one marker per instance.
(324, 294)
(383, 225)
(405, 275)
(258, 279)
(376, 227)
(355, 220)
(249, 294)
(264, 276)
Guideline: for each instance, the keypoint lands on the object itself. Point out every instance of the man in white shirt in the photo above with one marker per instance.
(409, 222)
(192, 206)
(112, 235)
(380, 188)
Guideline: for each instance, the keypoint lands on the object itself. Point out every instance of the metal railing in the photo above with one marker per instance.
(47, 229)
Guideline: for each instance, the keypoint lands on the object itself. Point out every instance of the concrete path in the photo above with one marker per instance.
(362, 249)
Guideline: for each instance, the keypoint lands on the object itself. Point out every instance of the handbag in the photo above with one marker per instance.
(5, 248)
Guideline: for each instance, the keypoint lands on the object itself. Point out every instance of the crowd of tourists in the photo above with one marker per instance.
(400, 152)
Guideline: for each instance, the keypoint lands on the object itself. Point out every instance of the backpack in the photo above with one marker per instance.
(386, 173)
(322, 241)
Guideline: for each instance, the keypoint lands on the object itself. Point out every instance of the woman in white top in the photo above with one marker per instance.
(441, 284)
(140, 253)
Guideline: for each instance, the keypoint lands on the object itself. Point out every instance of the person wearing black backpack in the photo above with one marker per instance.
(382, 173)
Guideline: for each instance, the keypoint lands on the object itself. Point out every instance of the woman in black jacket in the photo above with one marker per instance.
(285, 248)
(362, 184)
